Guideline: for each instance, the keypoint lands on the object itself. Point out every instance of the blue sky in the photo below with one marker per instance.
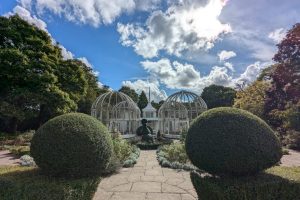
(167, 45)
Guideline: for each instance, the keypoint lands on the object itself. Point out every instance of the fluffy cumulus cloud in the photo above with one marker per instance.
(252, 72)
(94, 12)
(141, 85)
(65, 53)
(26, 15)
(184, 26)
(225, 55)
(277, 35)
(175, 75)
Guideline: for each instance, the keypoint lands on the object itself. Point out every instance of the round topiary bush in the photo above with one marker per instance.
(229, 141)
(72, 145)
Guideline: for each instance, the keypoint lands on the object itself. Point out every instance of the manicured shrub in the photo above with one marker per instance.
(278, 183)
(230, 141)
(148, 146)
(74, 144)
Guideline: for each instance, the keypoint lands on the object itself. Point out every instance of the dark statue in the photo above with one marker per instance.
(145, 131)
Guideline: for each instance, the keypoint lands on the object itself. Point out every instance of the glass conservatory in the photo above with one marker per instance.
(178, 111)
(117, 111)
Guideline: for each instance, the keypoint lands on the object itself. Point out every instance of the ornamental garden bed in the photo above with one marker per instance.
(174, 156)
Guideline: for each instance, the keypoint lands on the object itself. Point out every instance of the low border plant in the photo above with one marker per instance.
(164, 162)
(132, 159)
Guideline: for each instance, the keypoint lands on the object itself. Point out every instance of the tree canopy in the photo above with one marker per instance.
(218, 96)
(143, 101)
(252, 98)
(285, 78)
(36, 82)
(130, 92)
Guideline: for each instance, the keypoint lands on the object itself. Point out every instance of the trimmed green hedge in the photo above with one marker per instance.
(231, 141)
(148, 146)
(278, 183)
(72, 145)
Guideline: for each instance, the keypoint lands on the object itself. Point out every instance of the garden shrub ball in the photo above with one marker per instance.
(230, 141)
(72, 145)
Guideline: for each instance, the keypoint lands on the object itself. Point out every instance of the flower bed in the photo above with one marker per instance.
(132, 159)
(174, 156)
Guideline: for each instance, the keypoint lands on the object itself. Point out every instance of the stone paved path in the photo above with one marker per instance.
(291, 160)
(6, 158)
(146, 180)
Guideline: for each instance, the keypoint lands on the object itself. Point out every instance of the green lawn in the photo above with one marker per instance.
(277, 183)
(25, 183)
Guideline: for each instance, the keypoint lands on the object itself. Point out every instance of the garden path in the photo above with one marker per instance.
(6, 158)
(292, 159)
(146, 180)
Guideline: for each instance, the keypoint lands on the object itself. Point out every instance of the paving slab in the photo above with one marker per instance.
(291, 160)
(146, 180)
(6, 158)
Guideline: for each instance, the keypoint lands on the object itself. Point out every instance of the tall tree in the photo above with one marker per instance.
(130, 92)
(143, 101)
(218, 96)
(36, 83)
(157, 105)
(252, 98)
(285, 77)
(93, 90)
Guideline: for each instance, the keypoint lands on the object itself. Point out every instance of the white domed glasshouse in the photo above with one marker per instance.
(121, 114)
(178, 111)
(117, 111)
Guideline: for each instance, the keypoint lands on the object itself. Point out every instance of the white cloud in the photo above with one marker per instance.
(229, 66)
(86, 62)
(26, 15)
(94, 12)
(173, 75)
(252, 72)
(277, 35)
(65, 53)
(259, 48)
(176, 75)
(140, 85)
(225, 55)
(185, 26)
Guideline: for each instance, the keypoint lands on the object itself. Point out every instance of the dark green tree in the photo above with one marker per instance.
(130, 92)
(93, 90)
(36, 83)
(157, 105)
(218, 96)
(143, 101)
